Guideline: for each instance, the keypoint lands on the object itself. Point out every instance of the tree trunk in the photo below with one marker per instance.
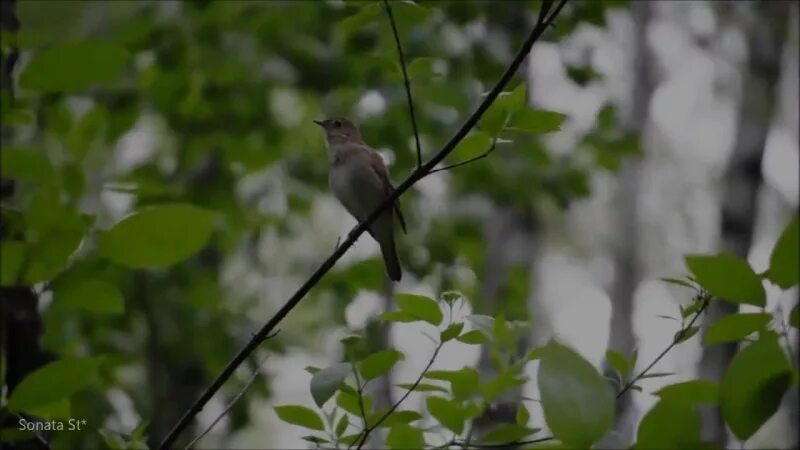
(765, 28)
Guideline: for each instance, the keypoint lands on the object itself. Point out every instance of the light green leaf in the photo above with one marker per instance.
(464, 382)
(401, 416)
(619, 362)
(753, 386)
(341, 425)
(60, 409)
(378, 364)
(403, 437)
(784, 269)
(79, 65)
(447, 412)
(421, 307)
(95, 296)
(506, 380)
(473, 337)
(348, 401)
(451, 331)
(536, 121)
(53, 382)
(728, 277)
(523, 416)
(25, 165)
(301, 416)
(691, 392)
(325, 383)
(735, 327)
(158, 236)
(473, 145)
(685, 335)
(577, 401)
(669, 425)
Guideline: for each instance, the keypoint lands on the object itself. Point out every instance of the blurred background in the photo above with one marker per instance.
(681, 137)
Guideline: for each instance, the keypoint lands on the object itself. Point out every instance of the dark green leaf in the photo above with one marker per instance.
(350, 439)
(735, 327)
(473, 337)
(464, 382)
(341, 425)
(679, 282)
(656, 375)
(78, 65)
(669, 425)
(423, 387)
(507, 433)
(577, 401)
(685, 335)
(691, 392)
(421, 307)
(349, 402)
(315, 439)
(53, 382)
(94, 296)
(301, 416)
(753, 386)
(158, 236)
(403, 437)
(451, 331)
(475, 144)
(447, 412)
(326, 382)
(783, 263)
(794, 317)
(728, 277)
(423, 68)
(537, 121)
(402, 416)
(378, 364)
(523, 416)
(12, 253)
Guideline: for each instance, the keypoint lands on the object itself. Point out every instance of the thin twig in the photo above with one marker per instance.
(400, 55)
(785, 330)
(396, 405)
(418, 174)
(360, 404)
(463, 163)
(233, 401)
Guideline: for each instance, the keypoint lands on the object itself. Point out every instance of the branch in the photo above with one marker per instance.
(405, 80)
(418, 174)
(378, 423)
(677, 339)
(360, 407)
(464, 163)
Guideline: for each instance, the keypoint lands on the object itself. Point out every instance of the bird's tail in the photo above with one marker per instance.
(390, 259)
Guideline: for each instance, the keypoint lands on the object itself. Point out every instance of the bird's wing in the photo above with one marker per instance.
(376, 163)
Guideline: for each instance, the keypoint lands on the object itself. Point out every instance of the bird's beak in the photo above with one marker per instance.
(319, 122)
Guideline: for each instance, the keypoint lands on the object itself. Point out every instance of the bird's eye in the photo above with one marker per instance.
(337, 123)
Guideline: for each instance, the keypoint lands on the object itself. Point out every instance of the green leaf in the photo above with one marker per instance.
(25, 165)
(447, 412)
(619, 362)
(422, 387)
(397, 417)
(78, 65)
(421, 307)
(669, 425)
(53, 382)
(94, 296)
(735, 327)
(473, 145)
(507, 379)
(692, 392)
(685, 335)
(349, 402)
(315, 439)
(473, 337)
(402, 437)
(325, 383)
(482, 323)
(341, 425)
(516, 100)
(753, 386)
(507, 433)
(577, 401)
(451, 331)
(158, 236)
(59, 409)
(464, 382)
(12, 253)
(523, 416)
(397, 316)
(301, 416)
(536, 121)
(656, 375)
(378, 364)
(350, 439)
(679, 282)
(423, 68)
(783, 263)
(728, 277)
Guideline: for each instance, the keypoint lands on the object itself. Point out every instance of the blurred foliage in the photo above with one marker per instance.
(168, 171)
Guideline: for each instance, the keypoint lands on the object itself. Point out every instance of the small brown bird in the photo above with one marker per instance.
(360, 181)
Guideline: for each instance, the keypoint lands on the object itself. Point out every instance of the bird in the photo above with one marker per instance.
(360, 181)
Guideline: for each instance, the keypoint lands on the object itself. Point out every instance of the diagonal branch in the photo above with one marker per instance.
(471, 160)
(421, 172)
(405, 80)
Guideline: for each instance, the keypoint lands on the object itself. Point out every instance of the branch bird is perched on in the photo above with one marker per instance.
(360, 181)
